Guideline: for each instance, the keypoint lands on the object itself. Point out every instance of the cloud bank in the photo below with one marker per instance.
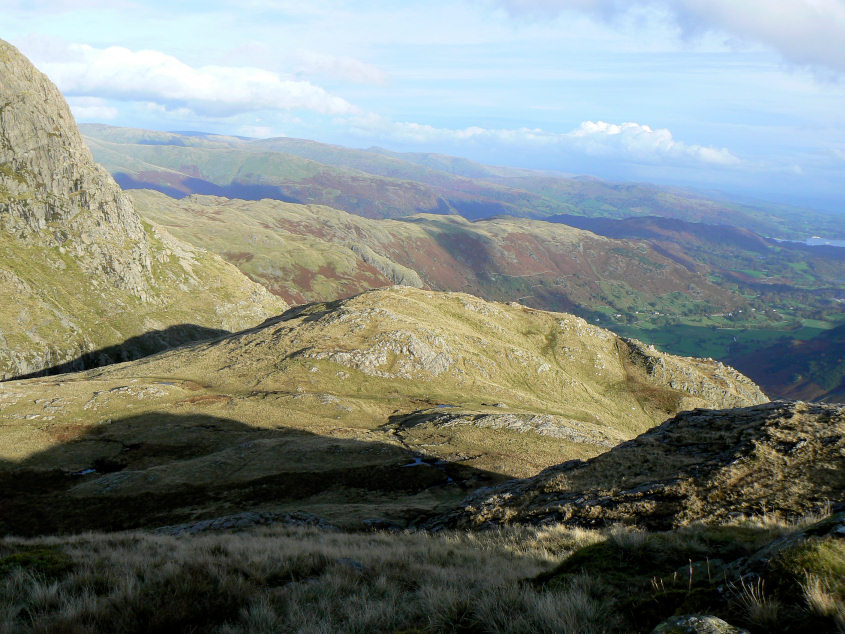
(95, 81)
(631, 142)
(804, 32)
(151, 76)
(92, 109)
(338, 67)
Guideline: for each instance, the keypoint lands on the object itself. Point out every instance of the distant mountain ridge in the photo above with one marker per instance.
(314, 253)
(641, 276)
(377, 183)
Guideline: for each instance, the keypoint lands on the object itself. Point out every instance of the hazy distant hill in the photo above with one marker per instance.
(774, 275)
(377, 183)
(79, 270)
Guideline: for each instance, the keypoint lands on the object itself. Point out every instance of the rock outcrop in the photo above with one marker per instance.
(783, 458)
(82, 270)
(52, 192)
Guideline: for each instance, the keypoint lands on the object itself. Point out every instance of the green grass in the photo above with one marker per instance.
(61, 310)
(699, 570)
(717, 341)
(45, 562)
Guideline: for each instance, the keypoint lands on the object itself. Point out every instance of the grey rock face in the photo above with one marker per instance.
(393, 271)
(82, 270)
(724, 387)
(245, 520)
(542, 424)
(51, 190)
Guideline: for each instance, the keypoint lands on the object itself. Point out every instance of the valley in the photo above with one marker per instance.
(283, 386)
(661, 281)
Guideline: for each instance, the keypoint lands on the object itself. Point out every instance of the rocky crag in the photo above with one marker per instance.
(81, 267)
(53, 193)
(781, 458)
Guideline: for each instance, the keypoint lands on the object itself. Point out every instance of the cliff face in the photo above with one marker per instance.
(52, 192)
(82, 269)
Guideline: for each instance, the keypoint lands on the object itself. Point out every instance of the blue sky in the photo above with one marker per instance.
(744, 97)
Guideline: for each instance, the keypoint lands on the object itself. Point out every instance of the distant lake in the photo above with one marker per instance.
(816, 241)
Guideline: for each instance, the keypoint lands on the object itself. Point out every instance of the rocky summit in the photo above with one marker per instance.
(51, 190)
(85, 271)
(784, 459)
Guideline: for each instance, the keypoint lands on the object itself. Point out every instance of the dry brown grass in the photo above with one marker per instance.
(299, 580)
(822, 600)
(759, 607)
(550, 579)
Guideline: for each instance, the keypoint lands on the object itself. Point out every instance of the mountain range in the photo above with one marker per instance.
(183, 450)
(689, 288)
(693, 274)
(376, 183)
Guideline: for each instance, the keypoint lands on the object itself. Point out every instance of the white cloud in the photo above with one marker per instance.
(806, 32)
(631, 142)
(338, 67)
(641, 142)
(147, 75)
(58, 6)
(257, 131)
(91, 109)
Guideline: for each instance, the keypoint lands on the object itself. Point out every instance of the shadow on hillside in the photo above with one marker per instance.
(159, 469)
(480, 209)
(133, 348)
(185, 186)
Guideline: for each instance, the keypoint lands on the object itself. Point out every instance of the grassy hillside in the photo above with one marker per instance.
(783, 458)
(389, 404)
(779, 272)
(253, 171)
(690, 288)
(786, 336)
(551, 579)
(307, 252)
(61, 312)
(816, 367)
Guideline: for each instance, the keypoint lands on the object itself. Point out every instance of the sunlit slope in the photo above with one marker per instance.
(410, 384)
(309, 252)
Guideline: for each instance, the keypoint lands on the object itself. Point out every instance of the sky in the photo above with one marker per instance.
(746, 98)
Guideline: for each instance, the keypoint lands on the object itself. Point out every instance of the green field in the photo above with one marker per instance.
(718, 341)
